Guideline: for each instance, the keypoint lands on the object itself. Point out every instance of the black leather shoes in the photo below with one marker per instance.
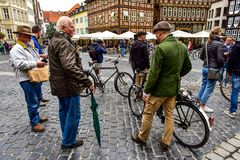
(136, 139)
(77, 144)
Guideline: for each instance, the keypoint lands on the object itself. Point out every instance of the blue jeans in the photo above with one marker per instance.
(39, 91)
(235, 92)
(69, 115)
(206, 88)
(31, 97)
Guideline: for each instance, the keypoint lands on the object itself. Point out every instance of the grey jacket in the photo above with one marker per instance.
(23, 58)
(215, 51)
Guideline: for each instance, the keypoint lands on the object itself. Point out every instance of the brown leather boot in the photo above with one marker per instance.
(43, 119)
(38, 128)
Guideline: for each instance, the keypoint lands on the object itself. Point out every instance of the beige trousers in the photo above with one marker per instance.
(139, 77)
(151, 106)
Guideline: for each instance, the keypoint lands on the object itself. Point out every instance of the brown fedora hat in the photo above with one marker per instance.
(23, 30)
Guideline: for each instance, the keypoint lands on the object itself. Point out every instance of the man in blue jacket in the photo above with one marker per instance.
(100, 49)
(36, 30)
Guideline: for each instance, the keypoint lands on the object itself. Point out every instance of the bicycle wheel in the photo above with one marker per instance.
(194, 55)
(93, 79)
(190, 126)
(226, 89)
(122, 83)
(135, 100)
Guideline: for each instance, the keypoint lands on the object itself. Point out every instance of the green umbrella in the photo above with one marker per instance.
(96, 124)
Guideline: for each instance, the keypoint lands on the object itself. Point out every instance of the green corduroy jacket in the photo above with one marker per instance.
(170, 62)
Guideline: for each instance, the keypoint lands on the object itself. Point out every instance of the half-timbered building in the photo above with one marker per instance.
(120, 15)
(186, 15)
(233, 19)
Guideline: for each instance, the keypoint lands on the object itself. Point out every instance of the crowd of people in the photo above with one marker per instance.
(166, 64)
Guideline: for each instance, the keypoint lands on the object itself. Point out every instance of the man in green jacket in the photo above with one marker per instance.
(169, 63)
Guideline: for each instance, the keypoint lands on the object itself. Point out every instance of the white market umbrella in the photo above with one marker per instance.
(150, 36)
(108, 35)
(183, 34)
(202, 34)
(95, 35)
(126, 35)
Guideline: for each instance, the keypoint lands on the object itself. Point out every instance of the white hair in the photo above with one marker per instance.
(63, 21)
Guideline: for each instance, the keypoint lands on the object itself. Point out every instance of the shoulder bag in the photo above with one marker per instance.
(37, 75)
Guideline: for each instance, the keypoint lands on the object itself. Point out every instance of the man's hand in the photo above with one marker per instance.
(92, 88)
(41, 64)
(45, 55)
(146, 97)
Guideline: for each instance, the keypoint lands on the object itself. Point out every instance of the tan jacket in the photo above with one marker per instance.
(66, 72)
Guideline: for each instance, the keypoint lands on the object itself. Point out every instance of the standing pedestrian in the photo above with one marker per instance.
(169, 63)
(215, 61)
(24, 57)
(36, 30)
(234, 73)
(139, 56)
(67, 80)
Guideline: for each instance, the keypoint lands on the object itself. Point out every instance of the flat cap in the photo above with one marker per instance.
(162, 26)
(140, 33)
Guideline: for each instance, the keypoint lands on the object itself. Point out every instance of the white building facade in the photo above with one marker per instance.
(31, 18)
(217, 15)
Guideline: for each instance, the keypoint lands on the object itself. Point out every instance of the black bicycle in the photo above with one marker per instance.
(191, 124)
(122, 81)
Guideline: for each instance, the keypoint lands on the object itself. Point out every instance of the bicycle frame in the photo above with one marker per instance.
(105, 68)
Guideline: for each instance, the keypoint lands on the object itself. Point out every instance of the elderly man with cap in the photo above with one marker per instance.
(169, 63)
(24, 57)
(139, 56)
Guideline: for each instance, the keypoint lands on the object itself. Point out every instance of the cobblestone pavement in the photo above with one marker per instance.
(17, 141)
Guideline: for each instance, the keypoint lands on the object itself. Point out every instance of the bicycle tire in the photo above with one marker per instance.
(185, 125)
(226, 89)
(121, 84)
(135, 100)
(194, 55)
(93, 79)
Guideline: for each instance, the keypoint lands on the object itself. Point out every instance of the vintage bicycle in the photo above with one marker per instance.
(191, 124)
(122, 80)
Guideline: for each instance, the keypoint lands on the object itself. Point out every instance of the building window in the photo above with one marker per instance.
(169, 11)
(10, 34)
(142, 1)
(180, 12)
(228, 32)
(184, 14)
(203, 13)
(224, 23)
(238, 37)
(77, 31)
(106, 17)
(230, 21)
(133, 16)
(81, 19)
(125, 15)
(86, 19)
(225, 11)
(212, 13)
(5, 13)
(231, 7)
(234, 33)
(236, 21)
(141, 16)
(189, 13)
(82, 30)
(193, 12)
(76, 21)
(198, 14)
(164, 11)
(148, 17)
(86, 30)
(218, 12)
(174, 12)
(216, 23)
(237, 7)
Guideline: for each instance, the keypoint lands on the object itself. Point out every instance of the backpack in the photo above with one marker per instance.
(92, 53)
